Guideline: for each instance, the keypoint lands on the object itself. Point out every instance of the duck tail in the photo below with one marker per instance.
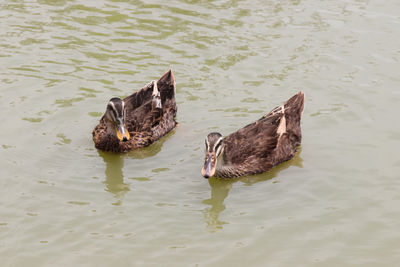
(167, 86)
(293, 111)
(295, 105)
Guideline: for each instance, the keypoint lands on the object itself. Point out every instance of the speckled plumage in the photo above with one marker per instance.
(145, 120)
(259, 146)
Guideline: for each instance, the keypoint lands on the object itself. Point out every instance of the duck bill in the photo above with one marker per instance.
(209, 166)
(122, 133)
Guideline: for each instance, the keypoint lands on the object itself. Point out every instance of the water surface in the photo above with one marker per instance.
(66, 204)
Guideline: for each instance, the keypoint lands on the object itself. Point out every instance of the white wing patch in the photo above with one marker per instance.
(282, 124)
(156, 95)
(155, 88)
(158, 101)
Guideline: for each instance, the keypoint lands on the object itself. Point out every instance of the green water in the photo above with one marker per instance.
(63, 203)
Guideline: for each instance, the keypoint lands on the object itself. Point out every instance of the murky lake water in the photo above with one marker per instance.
(63, 203)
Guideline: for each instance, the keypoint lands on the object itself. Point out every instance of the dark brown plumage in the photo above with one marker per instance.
(259, 146)
(147, 115)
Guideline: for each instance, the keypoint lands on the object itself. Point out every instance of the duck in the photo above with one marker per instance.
(257, 147)
(139, 119)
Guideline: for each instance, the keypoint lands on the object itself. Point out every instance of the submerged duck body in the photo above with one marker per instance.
(259, 146)
(139, 119)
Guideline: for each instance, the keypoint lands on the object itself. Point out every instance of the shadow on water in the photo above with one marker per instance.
(220, 189)
(114, 180)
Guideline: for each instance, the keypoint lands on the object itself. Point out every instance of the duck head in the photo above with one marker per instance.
(115, 117)
(214, 148)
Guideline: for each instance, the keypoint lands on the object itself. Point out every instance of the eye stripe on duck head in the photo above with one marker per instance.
(117, 106)
(213, 141)
(218, 146)
(113, 113)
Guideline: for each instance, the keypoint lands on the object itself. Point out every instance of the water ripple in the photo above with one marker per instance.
(61, 61)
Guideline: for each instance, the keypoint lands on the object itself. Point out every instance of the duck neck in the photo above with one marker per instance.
(225, 169)
(110, 139)
(228, 171)
(111, 130)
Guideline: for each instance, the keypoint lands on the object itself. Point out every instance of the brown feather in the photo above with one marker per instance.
(260, 145)
(144, 121)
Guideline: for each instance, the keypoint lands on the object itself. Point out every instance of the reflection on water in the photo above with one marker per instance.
(114, 176)
(220, 189)
(114, 180)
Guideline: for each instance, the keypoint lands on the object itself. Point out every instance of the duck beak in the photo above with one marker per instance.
(122, 133)
(209, 166)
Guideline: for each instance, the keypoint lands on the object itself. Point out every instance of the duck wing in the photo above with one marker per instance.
(268, 141)
(256, 140)
(167, 87)
(165, 121)
(146, 107)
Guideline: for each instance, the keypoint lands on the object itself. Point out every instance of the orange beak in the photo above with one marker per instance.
(122, 133)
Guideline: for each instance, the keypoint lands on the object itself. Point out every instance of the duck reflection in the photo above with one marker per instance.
(114, 181)
(220, 189)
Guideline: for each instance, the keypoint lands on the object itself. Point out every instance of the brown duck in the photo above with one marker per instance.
(139, 119)
(259, 146)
